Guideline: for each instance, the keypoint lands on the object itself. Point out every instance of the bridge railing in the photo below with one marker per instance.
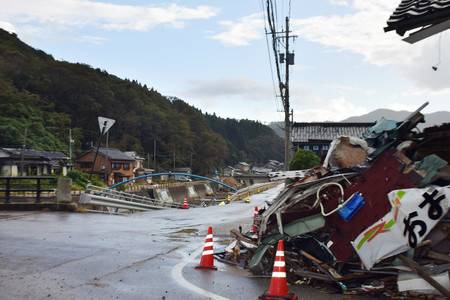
(26, 184)
(99, 196)
(250, 190)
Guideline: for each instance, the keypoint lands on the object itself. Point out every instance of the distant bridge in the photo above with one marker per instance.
(175, 174)
(114, 200)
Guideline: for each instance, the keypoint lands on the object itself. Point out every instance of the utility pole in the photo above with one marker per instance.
(174, 160)
(23, 151)
(288, 59)
(106, 158)
(287, 123)
(70, 149)
(154, 155)
(104, 124)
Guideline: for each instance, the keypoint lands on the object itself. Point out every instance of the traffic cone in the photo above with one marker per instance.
(207, 261)
(185, 205)
(278, 285)
(255, 229)
(228, 200)
(248, 199)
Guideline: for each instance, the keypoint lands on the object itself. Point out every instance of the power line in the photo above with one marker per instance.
(268, 47)
(287, 58)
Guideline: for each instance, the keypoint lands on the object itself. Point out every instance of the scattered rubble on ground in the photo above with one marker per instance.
(372, 219)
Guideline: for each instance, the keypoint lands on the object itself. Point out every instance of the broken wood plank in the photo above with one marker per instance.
(240, 237)
(410, 264)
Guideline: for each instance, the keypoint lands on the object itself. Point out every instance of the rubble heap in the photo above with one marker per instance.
(372, 218)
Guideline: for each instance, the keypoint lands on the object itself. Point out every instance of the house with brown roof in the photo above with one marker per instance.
(317, 136)
(111, 164)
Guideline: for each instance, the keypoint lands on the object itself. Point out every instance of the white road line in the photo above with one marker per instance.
(177, 274)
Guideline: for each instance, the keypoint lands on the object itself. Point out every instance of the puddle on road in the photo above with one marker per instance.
(13, 216)
(183, 233)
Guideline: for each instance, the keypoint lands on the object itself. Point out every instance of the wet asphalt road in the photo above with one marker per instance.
(151, 255)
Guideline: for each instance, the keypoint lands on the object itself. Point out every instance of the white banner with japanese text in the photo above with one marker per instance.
(414, 214)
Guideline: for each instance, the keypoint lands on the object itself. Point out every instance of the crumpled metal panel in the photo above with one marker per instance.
(293, 229)
(383, 175)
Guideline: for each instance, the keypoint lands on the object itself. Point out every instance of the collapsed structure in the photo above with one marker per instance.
(372, 218)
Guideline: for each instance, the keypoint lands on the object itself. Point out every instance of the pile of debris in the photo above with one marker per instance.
(372, 219)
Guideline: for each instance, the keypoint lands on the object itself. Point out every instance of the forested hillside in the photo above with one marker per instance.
(41, 99)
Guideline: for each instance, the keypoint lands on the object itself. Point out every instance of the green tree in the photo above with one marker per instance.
(46, 98)
(304, 159)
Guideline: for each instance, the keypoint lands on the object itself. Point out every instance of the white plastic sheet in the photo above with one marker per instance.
(413, 215)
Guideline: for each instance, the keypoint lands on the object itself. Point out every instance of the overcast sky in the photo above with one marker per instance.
(216, 56)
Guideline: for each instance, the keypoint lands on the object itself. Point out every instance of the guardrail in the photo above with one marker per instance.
(35, 186)
(95, 195)
(110, 198)
(250, 190)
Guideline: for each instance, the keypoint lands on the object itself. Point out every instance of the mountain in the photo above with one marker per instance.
(436, 118)
(41, 99)
(433, 119)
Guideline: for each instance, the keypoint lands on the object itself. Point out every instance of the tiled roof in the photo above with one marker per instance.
(35, 153)
(25, 152)
(112, 153)
(54, 155)
(303, 132)
(261, 170)
(411, 14)
(44, 156)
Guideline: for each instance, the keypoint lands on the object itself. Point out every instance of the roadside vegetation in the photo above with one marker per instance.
(304, 159)
(41, 99)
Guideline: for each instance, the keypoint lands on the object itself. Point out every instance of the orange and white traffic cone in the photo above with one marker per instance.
(185, 205)
(207, 261)
(255, 229)
(278, 285)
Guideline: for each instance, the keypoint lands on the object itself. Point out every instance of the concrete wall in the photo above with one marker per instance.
(178, 193)
(190, 190)
(163, 195)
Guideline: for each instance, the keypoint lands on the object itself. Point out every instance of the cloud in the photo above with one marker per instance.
(339, 2)
(242, 32)
(361, 32)
(434, 54)
(334, 110)
(401, 106)
(7, 26)
(92, 39)
(242, 86)
(63, 14)
(233, 97)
